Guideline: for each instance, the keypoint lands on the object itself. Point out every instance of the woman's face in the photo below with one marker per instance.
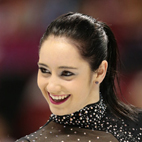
(64, 78)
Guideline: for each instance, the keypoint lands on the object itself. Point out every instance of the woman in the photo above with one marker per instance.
(77, 69)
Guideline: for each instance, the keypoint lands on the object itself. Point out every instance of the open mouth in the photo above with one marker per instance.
(58, 99)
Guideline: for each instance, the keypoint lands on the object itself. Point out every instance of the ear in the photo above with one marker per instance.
(101, 72)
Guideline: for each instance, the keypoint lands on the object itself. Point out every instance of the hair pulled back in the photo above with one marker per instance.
(96, 43)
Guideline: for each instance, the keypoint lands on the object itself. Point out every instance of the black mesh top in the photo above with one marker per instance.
(93, 123)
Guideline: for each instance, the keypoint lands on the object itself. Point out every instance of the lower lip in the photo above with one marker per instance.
(58, 103)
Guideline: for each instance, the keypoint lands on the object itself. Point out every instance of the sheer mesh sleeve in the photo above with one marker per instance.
(54, 132)
(23, 140)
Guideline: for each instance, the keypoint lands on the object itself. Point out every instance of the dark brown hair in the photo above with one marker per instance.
(97, 43)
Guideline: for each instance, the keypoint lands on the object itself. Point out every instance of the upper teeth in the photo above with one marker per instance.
(58, 97)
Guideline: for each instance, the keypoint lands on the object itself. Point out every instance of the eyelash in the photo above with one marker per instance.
(64, 73)
(43, 70)
(67, 73)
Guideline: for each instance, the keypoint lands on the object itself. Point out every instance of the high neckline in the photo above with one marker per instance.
(87, 117)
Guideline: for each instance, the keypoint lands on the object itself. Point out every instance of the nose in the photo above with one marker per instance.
(53, 85)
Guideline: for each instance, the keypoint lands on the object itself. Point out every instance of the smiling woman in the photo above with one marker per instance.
(77, 68)
(66, 75)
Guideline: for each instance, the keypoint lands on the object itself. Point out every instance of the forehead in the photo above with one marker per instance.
(60, 49)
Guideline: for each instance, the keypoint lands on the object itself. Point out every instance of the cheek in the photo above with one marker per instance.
(79, 87)
(40, 81)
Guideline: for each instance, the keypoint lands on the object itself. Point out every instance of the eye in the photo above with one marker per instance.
(67, 73)
(44, 70)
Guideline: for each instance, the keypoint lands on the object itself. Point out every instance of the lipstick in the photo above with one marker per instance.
(58, 99)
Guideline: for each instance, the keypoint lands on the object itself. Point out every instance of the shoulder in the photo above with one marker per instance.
(22, 140)
(123, 128)
(58, 132)
(35, 136)
(123, 120)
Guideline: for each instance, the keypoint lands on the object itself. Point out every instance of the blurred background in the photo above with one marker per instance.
(22, 23)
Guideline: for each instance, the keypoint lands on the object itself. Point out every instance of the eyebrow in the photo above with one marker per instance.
(67, 67)
(42, 64)
(61, 67)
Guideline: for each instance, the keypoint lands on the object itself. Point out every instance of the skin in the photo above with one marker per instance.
(62, 72)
